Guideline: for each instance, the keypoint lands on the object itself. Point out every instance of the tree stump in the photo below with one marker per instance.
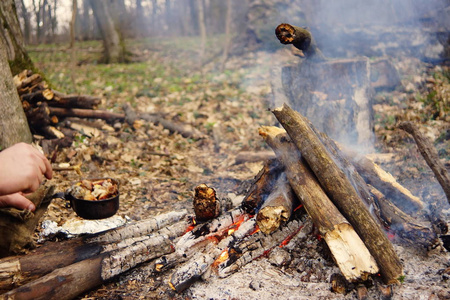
(336, 96)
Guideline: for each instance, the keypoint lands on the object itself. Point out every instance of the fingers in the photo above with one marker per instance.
(16, 200)
(44, 165)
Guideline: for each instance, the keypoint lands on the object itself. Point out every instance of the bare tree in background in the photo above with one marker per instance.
(113, 48)
(226, 47)
(22, 9)
(202, 27)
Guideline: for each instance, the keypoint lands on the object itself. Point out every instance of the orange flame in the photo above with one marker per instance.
(222, 257)
(192, 226)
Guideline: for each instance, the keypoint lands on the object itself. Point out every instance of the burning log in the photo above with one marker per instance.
(206, 204)
(277, 208)
(342, 193)
(301, 38)
(201, 262)
(259, 244)
(349, 252)
(374, 175)
(262, 186)
(430, 155)
(18, 270)
(402, 224)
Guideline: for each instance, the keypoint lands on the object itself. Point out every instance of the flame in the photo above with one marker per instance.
(298, 207)
(222, 257)
(192, 226)
(390, 235)
(255, 230)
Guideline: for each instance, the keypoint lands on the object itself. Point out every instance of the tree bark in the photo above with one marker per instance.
(12, 39)
(13, 123)
(349, 252)
(342, 193)
(113, 51)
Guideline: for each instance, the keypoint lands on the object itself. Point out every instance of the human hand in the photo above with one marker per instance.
(16, 200)
(22, 169)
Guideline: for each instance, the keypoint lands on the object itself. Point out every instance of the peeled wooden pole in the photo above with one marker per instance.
(341, 192)
(351, 255)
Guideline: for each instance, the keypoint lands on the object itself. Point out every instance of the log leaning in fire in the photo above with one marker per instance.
(351, 255)
(262, 185)
(278, 206)
(430, 155)
(301, 38)
(206, 203)
(374, 175)
(341, 192)
(17, 270)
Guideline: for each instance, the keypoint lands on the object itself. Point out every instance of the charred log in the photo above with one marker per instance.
(206, 204)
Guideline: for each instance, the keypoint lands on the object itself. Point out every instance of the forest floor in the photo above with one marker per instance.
(158, 170)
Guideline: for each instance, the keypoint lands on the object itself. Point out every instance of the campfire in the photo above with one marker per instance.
(311, 189)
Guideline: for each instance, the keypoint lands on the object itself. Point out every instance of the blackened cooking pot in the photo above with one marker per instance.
(92, 209)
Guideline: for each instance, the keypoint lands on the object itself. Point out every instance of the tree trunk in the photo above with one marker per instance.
(202, 27)
(13, 123)
(26, 22)
(12, 39)
(111, 41)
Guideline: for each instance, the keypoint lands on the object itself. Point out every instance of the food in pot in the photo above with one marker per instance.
(94, 189)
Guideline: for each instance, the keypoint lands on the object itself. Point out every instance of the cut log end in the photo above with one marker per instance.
(285, 33)
(270, 218)
(351, 255)
(206, 204)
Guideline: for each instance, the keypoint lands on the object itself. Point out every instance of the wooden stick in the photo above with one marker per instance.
(86, 113)
(342, 193)
(430, 155)
(278, 207)
(349, 252)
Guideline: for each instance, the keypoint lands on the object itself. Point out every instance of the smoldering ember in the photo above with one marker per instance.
(311, 163)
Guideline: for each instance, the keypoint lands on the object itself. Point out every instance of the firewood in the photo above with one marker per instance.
(430, 155)
(206, 204)
(374, 175)
(404, 225)
(70, 281)
(301, 38)
(17, 270)
(259, 244)
(74, 101)
(341, 192)
(262, 185)
(351, 255)
(42, 95)
(86, 113)
(278, 206)
(184, 276)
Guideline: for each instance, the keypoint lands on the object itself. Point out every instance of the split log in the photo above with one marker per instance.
(74, 101)
(206, 204)
(278, 206)
(342, 193)
(301, 38)
(348, 250)
(374, 175)
(430, 155)
(86, 113)
(18, 270)
(262, 186)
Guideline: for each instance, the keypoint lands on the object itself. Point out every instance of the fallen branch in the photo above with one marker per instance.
(430, 155)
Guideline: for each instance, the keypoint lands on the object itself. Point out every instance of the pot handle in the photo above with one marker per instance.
(64, 196)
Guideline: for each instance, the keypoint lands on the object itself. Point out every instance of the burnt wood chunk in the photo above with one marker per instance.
(206, 204)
